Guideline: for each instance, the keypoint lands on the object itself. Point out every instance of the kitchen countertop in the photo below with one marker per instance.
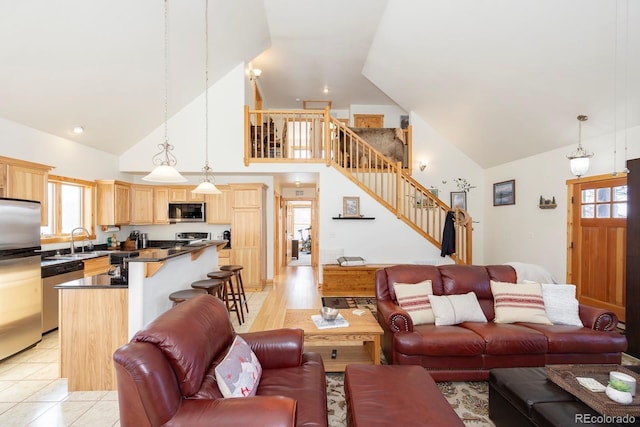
(159, 254)
(101, 281)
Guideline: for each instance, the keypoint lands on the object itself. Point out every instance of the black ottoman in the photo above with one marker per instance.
(523, 397)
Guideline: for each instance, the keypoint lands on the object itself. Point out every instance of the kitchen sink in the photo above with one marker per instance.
(80, 255)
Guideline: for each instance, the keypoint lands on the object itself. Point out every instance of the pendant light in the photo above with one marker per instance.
(579, 159)
(207, 182)
(164, 159)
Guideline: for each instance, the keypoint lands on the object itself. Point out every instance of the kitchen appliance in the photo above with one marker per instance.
(121, 260)
(226, 235)
(20, 282)
(56, 272)
(193, 237)
(144, 239)
(187, 212)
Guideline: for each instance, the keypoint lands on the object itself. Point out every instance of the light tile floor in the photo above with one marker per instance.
(32, 394)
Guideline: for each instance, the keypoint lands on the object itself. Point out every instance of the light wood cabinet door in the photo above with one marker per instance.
(219, 206)
(142, 207)
(114, 204)
(161, 205)
(184, 194)
(29, 183)
(95, 266)
(368, 120)
(248, 195)
(248, 240)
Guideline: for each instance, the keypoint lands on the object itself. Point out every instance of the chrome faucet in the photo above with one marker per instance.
(73, 248)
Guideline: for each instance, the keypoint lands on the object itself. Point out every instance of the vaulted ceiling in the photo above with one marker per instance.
(500, 79)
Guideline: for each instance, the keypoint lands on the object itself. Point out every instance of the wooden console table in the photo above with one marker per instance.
(357, 280)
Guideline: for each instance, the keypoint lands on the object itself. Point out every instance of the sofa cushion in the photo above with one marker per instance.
(431, 340)
(454, 309)
(509, 339)
(461, 279)
(410, 273)
(414, 298)
(574, 339)
(561, 304)
(238, 374)
(518, 303)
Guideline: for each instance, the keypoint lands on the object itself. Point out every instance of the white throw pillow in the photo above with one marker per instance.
(414, 298)
(239, 372)
(454, 309)
(520, 302)
(561, 304)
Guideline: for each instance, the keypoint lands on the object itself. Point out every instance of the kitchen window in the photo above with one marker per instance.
(71, 204)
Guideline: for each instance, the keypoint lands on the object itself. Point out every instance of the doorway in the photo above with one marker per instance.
(597, 241)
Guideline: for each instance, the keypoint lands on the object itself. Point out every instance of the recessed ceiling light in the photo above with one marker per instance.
(78, 129)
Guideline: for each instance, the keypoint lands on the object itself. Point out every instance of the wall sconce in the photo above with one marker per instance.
(255, 73)
(423, 164)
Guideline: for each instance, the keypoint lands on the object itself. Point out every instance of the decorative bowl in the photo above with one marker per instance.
(329, 313)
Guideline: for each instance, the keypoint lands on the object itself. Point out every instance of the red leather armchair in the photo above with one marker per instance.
(166, 373)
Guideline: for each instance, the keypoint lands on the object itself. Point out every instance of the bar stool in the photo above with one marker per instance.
(236, 270)
(182, 295)
(212, 286)
(229, 294)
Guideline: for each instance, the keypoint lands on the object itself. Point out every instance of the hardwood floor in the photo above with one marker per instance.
(297, 287)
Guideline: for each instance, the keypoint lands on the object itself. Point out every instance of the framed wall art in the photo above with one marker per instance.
(504, 193)
(350, 206)
(459, 200)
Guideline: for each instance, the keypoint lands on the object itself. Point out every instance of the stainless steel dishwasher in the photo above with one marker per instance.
(55, 272)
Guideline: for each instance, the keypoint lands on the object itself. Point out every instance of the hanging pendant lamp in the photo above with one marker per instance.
(207, 184)
(164, 160)
(579, 159)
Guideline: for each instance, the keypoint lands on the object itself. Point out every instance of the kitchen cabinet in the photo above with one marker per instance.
(113, 202)
(142, 207)
(95, 266)
(25, 180)
(160, 205)
(249, 240)
(224, 257)
(183, 194)
(219, 206)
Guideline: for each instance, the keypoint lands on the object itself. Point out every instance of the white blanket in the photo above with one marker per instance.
(532, 272)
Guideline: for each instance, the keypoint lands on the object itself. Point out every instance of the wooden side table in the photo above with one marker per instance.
(357, 343)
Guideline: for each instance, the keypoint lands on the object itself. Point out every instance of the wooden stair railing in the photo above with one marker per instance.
(314, 136)
(395, 189)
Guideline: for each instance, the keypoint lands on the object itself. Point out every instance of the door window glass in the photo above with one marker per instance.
(604, 202)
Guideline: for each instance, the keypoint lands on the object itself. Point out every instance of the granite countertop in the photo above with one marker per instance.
(159, 254)
(101, 281)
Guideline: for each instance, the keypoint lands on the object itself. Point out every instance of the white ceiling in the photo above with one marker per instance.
(500, 79)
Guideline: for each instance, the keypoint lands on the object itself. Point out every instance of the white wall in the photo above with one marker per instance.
(525, 233)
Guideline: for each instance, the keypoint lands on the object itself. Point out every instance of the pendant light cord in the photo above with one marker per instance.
(206, 85)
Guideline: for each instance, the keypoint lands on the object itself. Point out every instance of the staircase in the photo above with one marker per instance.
(313, 135)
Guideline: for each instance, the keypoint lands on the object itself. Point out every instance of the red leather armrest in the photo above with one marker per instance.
(598, 319)
(394, 317)
(275, 411)
(279, 348)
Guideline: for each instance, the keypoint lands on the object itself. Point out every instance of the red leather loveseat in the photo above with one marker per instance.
(467, 351)
(166, 374)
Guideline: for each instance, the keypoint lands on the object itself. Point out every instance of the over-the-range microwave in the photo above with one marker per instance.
(187, 212)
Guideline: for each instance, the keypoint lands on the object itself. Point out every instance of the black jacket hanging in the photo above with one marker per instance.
(448, 235)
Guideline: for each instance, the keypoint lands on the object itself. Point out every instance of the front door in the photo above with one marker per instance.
(597, 241)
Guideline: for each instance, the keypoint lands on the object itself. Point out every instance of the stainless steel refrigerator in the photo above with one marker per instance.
(20, 283)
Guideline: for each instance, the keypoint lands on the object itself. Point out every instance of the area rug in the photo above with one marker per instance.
(470, 400)
(351, 302)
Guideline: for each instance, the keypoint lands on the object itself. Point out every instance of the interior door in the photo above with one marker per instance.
(597, 241)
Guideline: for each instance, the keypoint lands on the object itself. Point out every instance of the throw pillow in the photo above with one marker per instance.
(414, 298)
(239, 372)
(520, 302)
(454, 309)
(561, 304)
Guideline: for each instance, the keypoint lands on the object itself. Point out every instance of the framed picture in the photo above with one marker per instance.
(459, 200)
(504, 193)
(350, 207)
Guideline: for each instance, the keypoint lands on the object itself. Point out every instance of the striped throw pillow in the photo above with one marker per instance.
(520, 302)
(414, 298)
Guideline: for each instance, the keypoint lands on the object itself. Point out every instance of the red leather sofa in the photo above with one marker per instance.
(469, 350)
(165, 374)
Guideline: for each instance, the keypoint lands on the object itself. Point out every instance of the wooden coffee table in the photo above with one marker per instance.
(357, 343)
